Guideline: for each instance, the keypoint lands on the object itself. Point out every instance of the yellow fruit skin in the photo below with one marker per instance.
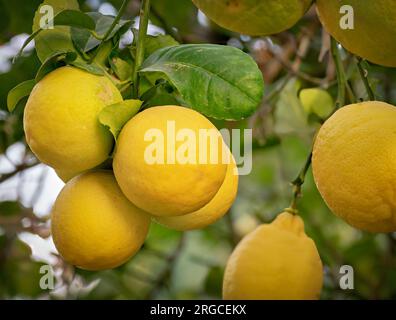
(354, 165)
(64, 175)
(210, 213)
(166, 189)
(277, 261)
(374, 33)
(61, 119)
(254, 17)
(94, 226)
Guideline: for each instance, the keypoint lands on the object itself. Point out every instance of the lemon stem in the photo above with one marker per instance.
(297, 185)
(364, 75)
(341, 77)
(143, 25)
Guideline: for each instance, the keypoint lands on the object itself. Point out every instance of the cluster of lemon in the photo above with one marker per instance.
(366, 28)
(101, 217)
(353, 156)
(354, 161)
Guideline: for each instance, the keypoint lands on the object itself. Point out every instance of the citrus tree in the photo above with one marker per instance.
(113, 108)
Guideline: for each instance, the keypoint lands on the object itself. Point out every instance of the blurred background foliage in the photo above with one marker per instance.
(173, 265)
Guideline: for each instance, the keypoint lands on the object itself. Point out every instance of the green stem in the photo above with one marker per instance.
(351, 94)
(143, 25)
(297, 184)
(341, 77)
(96, 36)
(364, 75)
(116, 20)
(110, 30)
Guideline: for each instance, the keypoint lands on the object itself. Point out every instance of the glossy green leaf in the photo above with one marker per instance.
(121, 68)
(115, 116)
(84, 40)
(56, 60)
(154, 43)
(26, 42)
(52, 40)
(219, 81)
(91, 68)
(71, 18)
(17, 93)
(159, 95)
(74, 18)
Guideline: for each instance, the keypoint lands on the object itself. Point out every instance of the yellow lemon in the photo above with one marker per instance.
(94, 226)
(276, 261)
(254, 17)
(366, 28)
(65, 175)
(354, 165)
(61, 119)
(213, 211)
(168, 160)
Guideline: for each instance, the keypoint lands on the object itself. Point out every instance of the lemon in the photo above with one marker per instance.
(157, 180)
(276, 261)
(213, 211)
(65, 175)
(354, 165)
(373, 30)
(61, 123)
(94, 226)
(254, 17)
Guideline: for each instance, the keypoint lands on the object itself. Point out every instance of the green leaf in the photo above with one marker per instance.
(154, 43)
(91, 68)
(121, 68)
(115, 116)
(74, 18)
(56, 60)
(24, 45)
(17, 93)
(71, 18)
(9, 208)
(104, 22)
(158, 95)
(219, 81)
(317, 101)
(84, 40)
(53, 40)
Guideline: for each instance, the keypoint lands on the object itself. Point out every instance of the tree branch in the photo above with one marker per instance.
(4, 177)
